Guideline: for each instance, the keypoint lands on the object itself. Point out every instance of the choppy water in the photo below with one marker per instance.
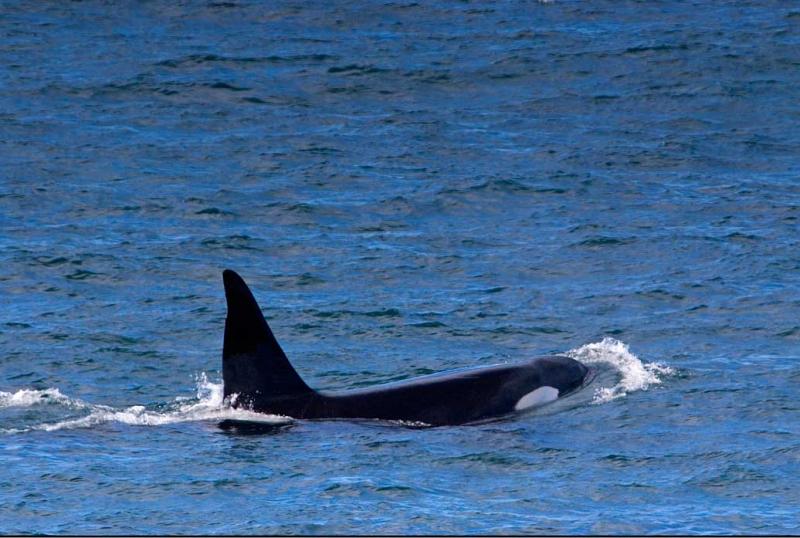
(408, 188)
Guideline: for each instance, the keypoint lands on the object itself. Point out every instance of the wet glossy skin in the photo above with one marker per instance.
(456, 398)
(258, 375)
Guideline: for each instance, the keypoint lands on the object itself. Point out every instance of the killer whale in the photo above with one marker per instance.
(258, 376)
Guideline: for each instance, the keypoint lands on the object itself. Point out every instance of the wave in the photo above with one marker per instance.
(30, 397)
(209, 404)
(635, 374)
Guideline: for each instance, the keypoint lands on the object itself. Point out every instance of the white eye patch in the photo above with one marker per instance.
(540, 396)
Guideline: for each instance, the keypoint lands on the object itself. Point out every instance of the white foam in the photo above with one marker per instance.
(636, 375)
(30, 397)
(209, 405)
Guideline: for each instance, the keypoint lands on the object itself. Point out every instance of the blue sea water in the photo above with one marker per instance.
(408, 188)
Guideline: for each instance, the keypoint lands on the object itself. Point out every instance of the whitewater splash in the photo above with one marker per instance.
(208, 405)
(636, 375)
(29, 397)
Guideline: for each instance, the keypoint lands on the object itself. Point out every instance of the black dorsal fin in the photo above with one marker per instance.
(253, 364)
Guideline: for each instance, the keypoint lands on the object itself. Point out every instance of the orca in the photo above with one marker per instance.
(257, 376)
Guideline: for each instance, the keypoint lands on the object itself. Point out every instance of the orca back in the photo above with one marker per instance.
(257, 375)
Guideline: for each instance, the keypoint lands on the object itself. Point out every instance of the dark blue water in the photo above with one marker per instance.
(409, 188)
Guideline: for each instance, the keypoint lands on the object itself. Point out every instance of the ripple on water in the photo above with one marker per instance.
(416, 187)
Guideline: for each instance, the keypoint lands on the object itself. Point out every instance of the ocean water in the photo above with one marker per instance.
(408, 188)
